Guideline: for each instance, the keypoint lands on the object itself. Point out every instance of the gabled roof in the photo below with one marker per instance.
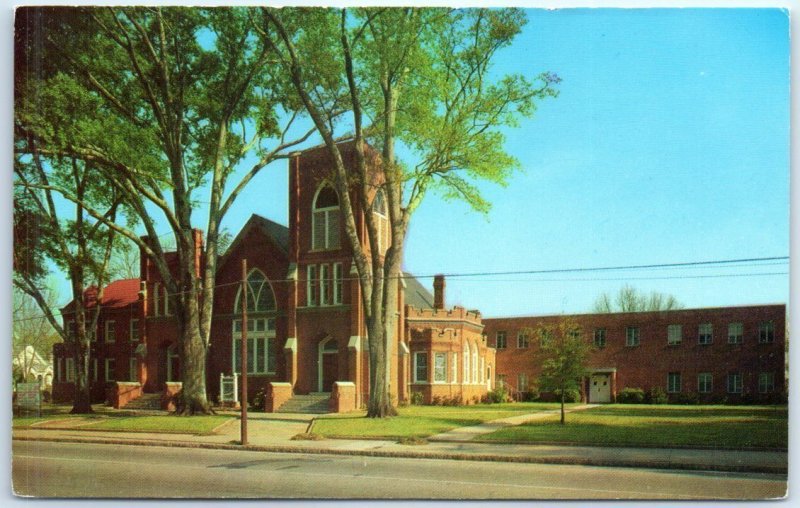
(416, 294)
(277, 233)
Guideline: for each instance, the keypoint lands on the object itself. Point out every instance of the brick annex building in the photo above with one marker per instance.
(306, 332)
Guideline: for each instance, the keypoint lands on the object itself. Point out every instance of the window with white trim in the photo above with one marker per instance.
(261, 354)
(311, 285)
(475, 364)
(325, 219)
(110, 365)
(260, 297)
(735, 333)
(600, 337)
(324, 285)
(481, 371)
(381, 215)
(132, 371)
(673, 382)
(133, 332)
(169, 301)
(70, 372)
(674, 334)
(500, 340)
(111, 333)
(465, 377)
(766, 382)
(632, 336)
(705, 382)
(523, 340)
(156, 299)
(522, 382)
(766, 332)
(545, 337)
(735, 382)
(454, 369)
(705, 333)
(440, 367)
(337, 283)
(421, 367)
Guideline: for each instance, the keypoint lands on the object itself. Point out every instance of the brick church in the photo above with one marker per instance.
(307, 340)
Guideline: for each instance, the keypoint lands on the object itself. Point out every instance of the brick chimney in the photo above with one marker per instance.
(438, 292)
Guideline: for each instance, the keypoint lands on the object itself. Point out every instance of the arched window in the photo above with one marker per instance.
(380, 211)
(465, 377)
(325, 219)
(260, 297)
(475, 364)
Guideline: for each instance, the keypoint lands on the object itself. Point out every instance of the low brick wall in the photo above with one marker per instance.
(168, 398)
(276, 395)
(444, 393)
(343, 397)
(120, 393)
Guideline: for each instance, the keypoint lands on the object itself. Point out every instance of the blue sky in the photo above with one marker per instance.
(669, 143)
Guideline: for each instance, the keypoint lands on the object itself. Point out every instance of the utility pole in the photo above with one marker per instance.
(244, 352)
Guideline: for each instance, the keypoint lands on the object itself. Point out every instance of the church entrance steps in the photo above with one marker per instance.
(313, 403)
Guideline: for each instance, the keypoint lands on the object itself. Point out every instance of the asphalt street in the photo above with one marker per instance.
(45, 469)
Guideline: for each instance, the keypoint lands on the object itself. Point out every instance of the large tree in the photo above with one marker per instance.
(413, 80)
(31, 331)
(630, 299)
(178, 108)
(565, 353)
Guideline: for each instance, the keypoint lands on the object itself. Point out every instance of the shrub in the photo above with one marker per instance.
(416, 398)
(496, 396)
(631, 396)
(570, 395)
(437, 401)
(686, 398)
(257, 404)
(657, 396)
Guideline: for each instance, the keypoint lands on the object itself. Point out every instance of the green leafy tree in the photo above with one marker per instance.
(630, 299)
(565, 353)
(176, 107)
(419, 80)
(31, 330)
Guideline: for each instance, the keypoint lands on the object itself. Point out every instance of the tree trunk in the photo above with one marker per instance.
(192, 398)
(562, 406)
(82, 399)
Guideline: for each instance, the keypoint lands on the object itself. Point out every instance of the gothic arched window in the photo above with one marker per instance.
(381, 214)
(260, 297)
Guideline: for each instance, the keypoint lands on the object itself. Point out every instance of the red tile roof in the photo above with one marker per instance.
(117, 295)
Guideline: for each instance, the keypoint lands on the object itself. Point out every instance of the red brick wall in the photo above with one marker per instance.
(648, 364)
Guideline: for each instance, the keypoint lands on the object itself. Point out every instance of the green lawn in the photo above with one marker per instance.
(729, 427)
(127, 423)
(420, 421)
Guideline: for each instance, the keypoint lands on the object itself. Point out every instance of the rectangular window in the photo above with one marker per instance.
(674, 334)
(111, 375)
(500, 340)
(134, 330)
(501, 380)
(766, 382)
(600, 337)
(483, 370)
(70, 369)
(546, 337)
(311, 285)
(705, 333)
(673, 382)
(156, 299)
(523, 341)
(632, 336)
(69, 329)
(439, 367)
(324, 285)
(111, 333)
(260, 355)
(421, 367)
(522, 382)
(168, 302)
(454, 369)
(704, 382)
(337, 283)
(735, 333)
(766, 332)
(735, 382)
(132, 374)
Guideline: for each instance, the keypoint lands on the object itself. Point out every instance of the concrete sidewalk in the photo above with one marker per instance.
(273, 433)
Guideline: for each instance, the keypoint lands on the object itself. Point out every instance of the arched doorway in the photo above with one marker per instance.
(328, 364)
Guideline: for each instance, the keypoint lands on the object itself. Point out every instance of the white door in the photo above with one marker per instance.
(599, 388)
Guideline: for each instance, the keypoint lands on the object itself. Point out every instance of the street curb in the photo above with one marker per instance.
(430, 455)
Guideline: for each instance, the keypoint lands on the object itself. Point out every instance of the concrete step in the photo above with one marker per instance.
(313, 403)
(146, 401)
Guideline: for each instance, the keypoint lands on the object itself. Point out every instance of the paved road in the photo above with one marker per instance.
(91, 470)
